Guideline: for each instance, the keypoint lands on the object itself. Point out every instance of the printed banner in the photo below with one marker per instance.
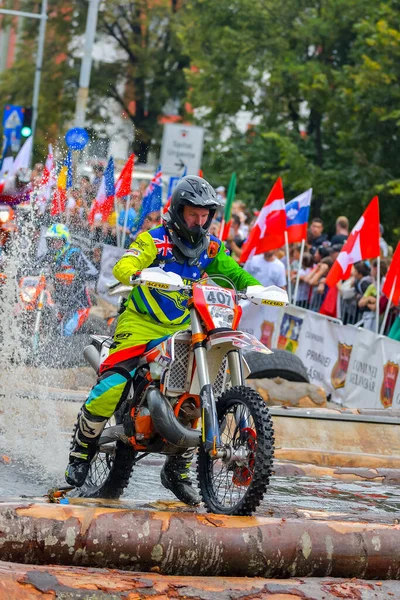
(372, 379)
(110, 256)
(260, 321)
(323, 345)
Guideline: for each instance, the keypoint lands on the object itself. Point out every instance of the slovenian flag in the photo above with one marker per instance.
(103, 204)
(297, 213)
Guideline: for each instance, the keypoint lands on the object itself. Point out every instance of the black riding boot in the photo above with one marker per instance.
(83, 447)
(175, 477)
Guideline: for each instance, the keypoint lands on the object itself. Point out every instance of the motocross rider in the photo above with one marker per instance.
(180, 245)
(70, 270)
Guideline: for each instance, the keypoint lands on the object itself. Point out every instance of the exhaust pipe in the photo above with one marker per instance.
(92, 355)
(167, 424)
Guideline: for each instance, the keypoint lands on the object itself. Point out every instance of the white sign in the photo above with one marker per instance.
(182, 147)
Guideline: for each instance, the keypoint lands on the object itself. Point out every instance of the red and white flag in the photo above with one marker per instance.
(124, 183)
(102, 205)
(362, 244)
(392, 280)
(269, 231)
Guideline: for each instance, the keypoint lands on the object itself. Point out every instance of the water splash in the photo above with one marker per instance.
(30, 428)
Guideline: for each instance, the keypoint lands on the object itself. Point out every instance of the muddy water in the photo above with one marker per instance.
(287, 496)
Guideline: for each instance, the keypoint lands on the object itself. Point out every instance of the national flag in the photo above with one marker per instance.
(392, 276)
(23, 158)
(64, 183)
(124, 183)
(43, 192)
(226, 221)
(269, 231)
(362, 244)
(297, 213)
(152, 199)
(103, 204)
(48, 177)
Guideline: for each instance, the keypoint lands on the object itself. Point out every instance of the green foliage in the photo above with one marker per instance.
(320, 78)
(149, 74)
(58, 81)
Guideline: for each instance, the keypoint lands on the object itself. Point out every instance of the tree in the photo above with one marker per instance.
(59, 76)
(147, 80)
(311, 74)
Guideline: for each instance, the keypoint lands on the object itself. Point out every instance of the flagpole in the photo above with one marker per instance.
(296, 287)
(116, 220)
(388, 306)
(125, 223)
(339, 306)
(378, 293)
(289, 287)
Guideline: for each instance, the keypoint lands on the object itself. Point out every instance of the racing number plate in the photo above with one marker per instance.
(217, 295)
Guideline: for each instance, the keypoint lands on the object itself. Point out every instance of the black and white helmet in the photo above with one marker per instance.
(191, 191)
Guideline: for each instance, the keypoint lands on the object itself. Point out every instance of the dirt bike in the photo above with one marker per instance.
(189, 392)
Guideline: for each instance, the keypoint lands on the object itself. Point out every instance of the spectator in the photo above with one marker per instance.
(303, 292)
(215, 227)
(367, 302)
(98, 171)
(342, 231)
(153, 219)
(221, 194)
(352, 289)
(133, 207)
(235, 240)
(316, 236)
(316, 279)
(36, 175)
(320, 253)
(335, 250)
(268, 269)
(86, 190)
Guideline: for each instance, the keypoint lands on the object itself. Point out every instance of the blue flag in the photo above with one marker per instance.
(152, 199)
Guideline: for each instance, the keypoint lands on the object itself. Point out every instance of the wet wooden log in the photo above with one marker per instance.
(197, 544)
(379, 475)
(32, 582)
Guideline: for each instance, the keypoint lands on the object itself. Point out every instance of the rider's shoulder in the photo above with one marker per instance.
(214, 246)
(155, 232)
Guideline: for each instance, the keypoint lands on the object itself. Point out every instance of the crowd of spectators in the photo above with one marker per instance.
(305, 275)
(356, 300)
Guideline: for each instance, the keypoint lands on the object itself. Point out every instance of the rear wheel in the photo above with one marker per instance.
(280, 363)
(110, 470)
(236, 484)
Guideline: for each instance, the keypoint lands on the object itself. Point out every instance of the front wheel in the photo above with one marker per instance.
(236, 483)
(111, 468)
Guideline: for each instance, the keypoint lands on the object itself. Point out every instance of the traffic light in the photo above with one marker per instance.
(26, 129)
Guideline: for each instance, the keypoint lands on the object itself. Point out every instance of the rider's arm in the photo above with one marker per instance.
(223, 264)
(140, 255)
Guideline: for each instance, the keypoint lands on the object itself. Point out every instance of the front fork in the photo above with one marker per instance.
(210, 428)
